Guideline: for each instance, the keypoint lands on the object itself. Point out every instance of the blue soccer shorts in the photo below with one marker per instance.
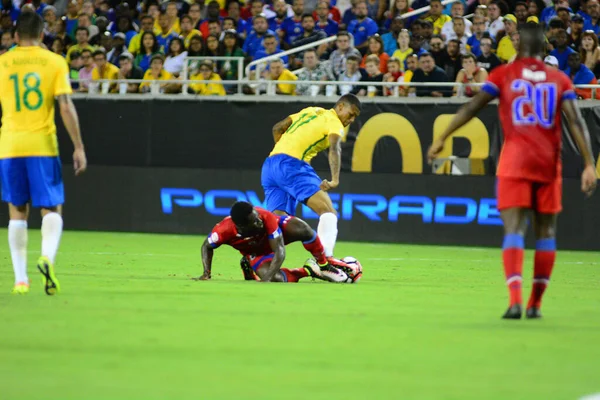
(287, 181)
(32, 179)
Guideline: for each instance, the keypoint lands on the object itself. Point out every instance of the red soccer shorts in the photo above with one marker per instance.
(257, 262)
(545, 198)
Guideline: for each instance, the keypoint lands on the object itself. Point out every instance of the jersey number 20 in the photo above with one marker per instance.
(32, 96)
(542, 102)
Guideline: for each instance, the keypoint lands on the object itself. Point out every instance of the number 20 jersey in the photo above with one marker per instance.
(30, 79)
(530, 99)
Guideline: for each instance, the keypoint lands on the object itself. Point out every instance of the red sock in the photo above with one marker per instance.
(294, 275)
(315, 248)
(542, 269)
(512, 257)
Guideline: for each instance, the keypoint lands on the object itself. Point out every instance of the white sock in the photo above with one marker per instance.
(327, 231)
(17, 241)
(52, 225)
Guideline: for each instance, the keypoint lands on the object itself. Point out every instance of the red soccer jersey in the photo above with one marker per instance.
(530, 99)
(225, 232)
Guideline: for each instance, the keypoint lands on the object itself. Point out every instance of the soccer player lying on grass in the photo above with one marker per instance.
(261, 237)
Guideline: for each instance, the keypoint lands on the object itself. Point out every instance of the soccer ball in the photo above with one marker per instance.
(354, 269)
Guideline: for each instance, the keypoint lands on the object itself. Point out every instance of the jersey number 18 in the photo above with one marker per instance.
(32, 96)
(542, 102)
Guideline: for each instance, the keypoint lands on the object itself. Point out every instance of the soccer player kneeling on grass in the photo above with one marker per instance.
(287, 177)
(30, 79)
(261, 237)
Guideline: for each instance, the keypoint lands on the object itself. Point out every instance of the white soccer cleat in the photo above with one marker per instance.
(327, 273)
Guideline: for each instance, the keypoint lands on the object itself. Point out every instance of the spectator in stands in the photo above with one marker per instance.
(417, 44)
(412, 64)
(254, 40)
(324, 22)
(118, 48)
(333, 14)
(82, 35)
(429, 72)
(102, 31)
(373, 75)
(481, 11)
(292, 26)
(60, 31)
(363, 27)
(309, 35)
(551, 11)
(496, 22)
(551, 61)
(437, 49)
(256, 8)
(470, 73)
(376, 9)
(196, 48)
(313, 71)
(187, 30)
(458, 10)
(229, 24)
(277, 72)
(196, 14)
(50, 24)
(85, 73)
(399, 7)
(474, 41)
(231, 48)
(351, 74)
(390, 39)
(102, 24)
(84, 21)
(147, 23)
(129, 71)
(506, 50)
(164, 36)
(590, 52)
(404, 50)
(349, 15)
(213, 47)
(74, 68)
(58, 46)
(125, 26)
(104, 69)
(71, 17)
(562, 50)
(487, 59)
(376, 48)
(156, 72)
(459, 34)
(576, 32)
(436, 17)
(564, 14)
(521, 13)
(593, 23)
(233, 11)
(207, 73)
(451, 61)
(426, 33)
(270, 47)
(554, 27)
(280, 8)
(338, 57)
(173, 25)
(580, 75)
(214, 28)
(175, 57)
(394, 74)
(149, 49)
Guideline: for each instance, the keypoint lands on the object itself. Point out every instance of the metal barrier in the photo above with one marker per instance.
(424, 9)
(188, 60)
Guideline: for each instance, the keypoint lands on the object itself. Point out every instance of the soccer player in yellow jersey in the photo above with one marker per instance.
(287, 177)
(30, 170)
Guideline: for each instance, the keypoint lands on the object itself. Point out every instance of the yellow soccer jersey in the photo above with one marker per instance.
(308, 134)
(30, 79)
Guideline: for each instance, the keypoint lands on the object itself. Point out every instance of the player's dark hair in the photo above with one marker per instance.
(29, 25)
(533, 42)
(350, 100)
(240, 211)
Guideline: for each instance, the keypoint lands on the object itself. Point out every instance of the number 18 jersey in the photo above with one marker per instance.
(30, 79)
(530, 99)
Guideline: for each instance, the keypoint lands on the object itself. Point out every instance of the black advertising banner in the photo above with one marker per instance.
(394, 208)
(386, 138)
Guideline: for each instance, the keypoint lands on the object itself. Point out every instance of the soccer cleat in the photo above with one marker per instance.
(313, 268)
(20, 288)
(533, 313)
(249, 274)
(51, 285)
(333, 274)
(513, 312)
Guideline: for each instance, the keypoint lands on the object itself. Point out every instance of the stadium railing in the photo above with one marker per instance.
(424, 9)
(106, 85)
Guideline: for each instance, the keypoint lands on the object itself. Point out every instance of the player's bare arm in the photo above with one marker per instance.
(280, 128)
(69, 116)
(581, 135)
(207, 256)
(335, 162)
(464, 115)
(278, 246)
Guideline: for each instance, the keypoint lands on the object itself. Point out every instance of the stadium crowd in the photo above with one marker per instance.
(460, 42)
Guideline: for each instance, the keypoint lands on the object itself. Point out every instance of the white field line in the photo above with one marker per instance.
(469, 261)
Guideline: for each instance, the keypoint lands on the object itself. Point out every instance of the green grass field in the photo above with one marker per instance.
(424, 323)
